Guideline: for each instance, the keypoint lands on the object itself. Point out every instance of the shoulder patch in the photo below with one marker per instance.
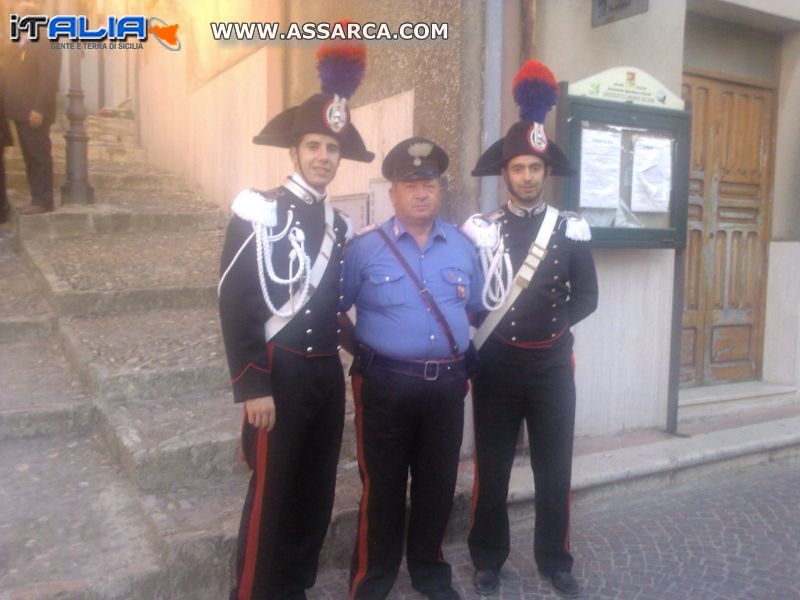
(576, 228)
(256, 207)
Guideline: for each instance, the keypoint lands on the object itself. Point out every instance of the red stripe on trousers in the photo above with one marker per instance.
(362, 465)
(476, 480)
(253, 531)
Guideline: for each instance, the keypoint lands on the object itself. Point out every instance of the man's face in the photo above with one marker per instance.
(524, 176)
(416, 202)
(316, 157)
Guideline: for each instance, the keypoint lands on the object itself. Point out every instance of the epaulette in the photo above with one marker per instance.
(576, 227)
(365, 230)
(257, 207)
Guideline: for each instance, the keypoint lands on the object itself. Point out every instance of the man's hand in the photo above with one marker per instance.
(35, 119)
(261, 412)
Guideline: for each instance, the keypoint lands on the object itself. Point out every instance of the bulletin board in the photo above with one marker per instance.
(632, 163)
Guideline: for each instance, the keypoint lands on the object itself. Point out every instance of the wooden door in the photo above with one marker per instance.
(726, 255)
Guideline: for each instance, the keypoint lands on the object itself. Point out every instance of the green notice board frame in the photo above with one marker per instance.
(648, 206)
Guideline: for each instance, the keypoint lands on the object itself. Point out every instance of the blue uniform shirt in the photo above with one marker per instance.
(390, 315)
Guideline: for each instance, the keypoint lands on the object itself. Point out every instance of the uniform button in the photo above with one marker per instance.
(555, 277)
(553, 290)
(505, 220)
(555, 305)
(513, 323)
(339, 245)
(555, 246)
(513, 339)
(552, 335)
(335, 230)
(433, 337)
(555, 262)
(297, 222)
(309, 349)
(308, 331)
(428, 309)
(341, 262)
(386, 278)
(338, 331)
(292, 206)
(341, 297)
(308, 310)
(422, 256)
(505, 235)
(554, 319)
(513, 309)
(339, 313)
(338, 347)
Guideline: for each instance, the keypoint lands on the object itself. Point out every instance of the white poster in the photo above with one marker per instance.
(652, 174)
(600, 168)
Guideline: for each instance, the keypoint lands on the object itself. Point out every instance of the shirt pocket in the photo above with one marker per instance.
(389, 288)
(456, 284)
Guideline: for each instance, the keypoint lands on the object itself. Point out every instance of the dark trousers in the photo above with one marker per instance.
(404, 424)
(538, 386)
(36, 150)
(290, 497)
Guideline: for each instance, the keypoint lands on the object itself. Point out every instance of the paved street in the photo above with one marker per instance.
(725, 537)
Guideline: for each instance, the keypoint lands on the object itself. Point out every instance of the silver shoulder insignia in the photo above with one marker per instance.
(256, 207)
(576, 226)
(494, 215)
(348, 234)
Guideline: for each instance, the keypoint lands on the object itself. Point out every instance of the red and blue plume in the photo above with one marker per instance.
(341, 67)
(535, 91)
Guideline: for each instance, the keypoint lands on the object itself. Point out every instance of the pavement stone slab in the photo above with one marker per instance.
(70, 521)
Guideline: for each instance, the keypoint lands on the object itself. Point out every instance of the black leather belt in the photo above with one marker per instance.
(429, 370)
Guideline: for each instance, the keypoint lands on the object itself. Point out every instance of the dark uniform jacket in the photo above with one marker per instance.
(563, 290)
(31, 80)
(243, 310)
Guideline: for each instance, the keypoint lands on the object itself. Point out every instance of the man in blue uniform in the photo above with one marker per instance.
(279, 297)
(526, 364)
(413, 280)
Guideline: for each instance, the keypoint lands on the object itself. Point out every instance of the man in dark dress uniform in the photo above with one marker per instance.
(279, 297)
(412, 280)
(526, 362)
(31, 83)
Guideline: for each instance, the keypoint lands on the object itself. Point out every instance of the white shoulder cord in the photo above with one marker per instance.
(495, 261)
(498, 275)
(298, 259)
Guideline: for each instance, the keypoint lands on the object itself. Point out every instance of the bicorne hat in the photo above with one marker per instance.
(341, 67)
(535, 92)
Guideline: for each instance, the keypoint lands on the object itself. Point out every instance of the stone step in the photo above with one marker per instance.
(24, 311)
(112, 274)
(147, 354)
(43, 396)
(96, 151)
(72, 526)
(167, 442)
(124, 176)
(701, 403)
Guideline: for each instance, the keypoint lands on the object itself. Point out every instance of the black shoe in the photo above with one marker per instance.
(564, 584)
(441, 593)
(486, 581)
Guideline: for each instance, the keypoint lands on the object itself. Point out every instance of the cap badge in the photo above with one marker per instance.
(419, 150)
(537, 138)
(335, 114)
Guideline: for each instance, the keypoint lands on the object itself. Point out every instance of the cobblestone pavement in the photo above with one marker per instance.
(727, 537)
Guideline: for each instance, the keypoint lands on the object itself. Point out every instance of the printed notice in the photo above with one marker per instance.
(600, 168)
(652, 174)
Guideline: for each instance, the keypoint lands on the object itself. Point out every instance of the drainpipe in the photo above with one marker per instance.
(492, 88)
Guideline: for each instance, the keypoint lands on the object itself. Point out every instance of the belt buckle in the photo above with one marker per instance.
(435, 375)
